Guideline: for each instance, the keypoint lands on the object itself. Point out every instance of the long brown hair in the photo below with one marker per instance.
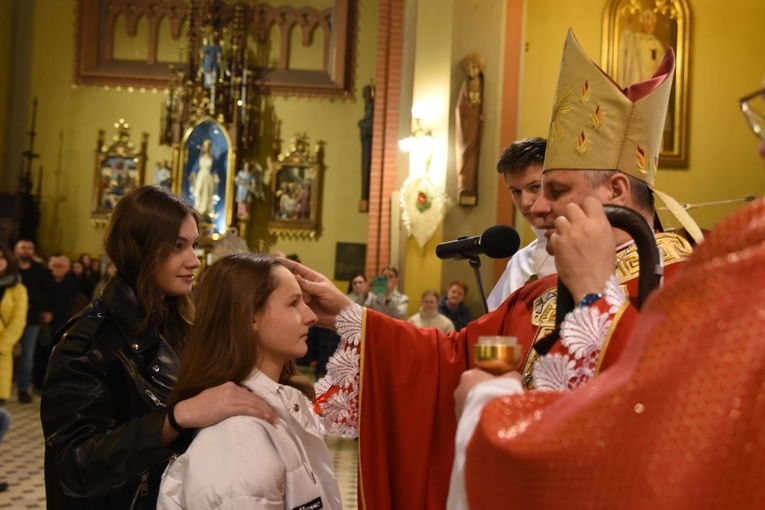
(10, 259)
(142, 231)
(223, 345)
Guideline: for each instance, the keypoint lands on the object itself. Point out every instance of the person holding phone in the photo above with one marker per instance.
(385, 296)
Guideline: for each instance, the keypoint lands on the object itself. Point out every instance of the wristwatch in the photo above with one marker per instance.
(589, 300)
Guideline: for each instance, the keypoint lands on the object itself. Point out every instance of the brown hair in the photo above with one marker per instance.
(521, 154)
(142, 231)
(459, 284)
(223, 345)
(10, 258)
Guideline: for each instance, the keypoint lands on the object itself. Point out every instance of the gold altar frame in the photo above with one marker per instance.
(672, 19)
(223, 152)
(119, 169)
(293, 213)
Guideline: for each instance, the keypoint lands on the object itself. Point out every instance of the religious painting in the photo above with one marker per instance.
(350, 260)
(636, 36)
(119, 170)
(204, 178)
(295, 191)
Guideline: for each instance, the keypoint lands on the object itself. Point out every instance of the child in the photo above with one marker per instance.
(250, 326)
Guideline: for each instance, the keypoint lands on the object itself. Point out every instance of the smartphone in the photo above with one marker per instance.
(379, 285)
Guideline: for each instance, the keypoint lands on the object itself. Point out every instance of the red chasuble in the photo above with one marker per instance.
(406, 419)
(677, 422)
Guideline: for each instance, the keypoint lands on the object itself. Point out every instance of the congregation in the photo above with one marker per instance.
(199, 350)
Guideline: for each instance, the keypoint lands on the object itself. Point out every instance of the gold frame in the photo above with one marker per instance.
(119, 169)
(295, 169)
(208, 128)
(671, 28)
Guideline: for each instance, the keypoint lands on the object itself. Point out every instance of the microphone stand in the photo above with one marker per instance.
(475, 263)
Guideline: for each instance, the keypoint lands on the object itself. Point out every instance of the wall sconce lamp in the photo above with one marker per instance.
(419, 144)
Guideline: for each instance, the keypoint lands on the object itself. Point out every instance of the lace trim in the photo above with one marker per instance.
(337, 393)
(582, 332)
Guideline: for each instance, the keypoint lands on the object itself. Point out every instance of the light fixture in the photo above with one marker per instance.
(419, 144)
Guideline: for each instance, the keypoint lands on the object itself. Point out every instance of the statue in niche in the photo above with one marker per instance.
(204, 182)
(163, 177)
(211, 60)
(245, 190)
(365, 132)
(469, 121)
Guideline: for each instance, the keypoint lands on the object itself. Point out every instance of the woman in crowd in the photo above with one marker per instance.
(453, 305)
(428, 316)
(108, 433)
(109, 272)
(389, 300)
(358, 289)
(252, 308)
(13, 317)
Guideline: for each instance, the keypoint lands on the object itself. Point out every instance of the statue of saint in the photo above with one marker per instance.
(245, 190)
(365, 132)
(203, 182)
(163, 177)
(469, 120)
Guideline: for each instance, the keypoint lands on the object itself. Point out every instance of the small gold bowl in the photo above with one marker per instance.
(497, 354)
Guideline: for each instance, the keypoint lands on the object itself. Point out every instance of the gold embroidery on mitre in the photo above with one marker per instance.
(641, 157)
(582, 142)
(560, 108)
(584, 96)
(597, 117)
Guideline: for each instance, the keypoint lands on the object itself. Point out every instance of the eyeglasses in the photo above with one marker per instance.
(753, 108)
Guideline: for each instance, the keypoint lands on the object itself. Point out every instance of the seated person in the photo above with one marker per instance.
(358, 289)
(429, 316)
(390, 301)
(453, 306)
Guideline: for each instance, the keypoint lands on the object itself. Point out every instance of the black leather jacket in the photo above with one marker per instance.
(103, 406)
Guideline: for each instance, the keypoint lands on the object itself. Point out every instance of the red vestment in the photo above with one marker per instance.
(406, 419)
(677, 422)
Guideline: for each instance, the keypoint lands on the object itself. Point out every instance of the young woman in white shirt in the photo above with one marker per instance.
(251, 324)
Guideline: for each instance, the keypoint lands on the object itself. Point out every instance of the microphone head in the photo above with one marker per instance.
(500, 242)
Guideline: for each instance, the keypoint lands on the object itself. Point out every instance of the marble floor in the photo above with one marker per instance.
(22, 449)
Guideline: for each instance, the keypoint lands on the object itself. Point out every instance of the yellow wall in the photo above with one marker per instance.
(448, 31)
(6, 18)
(69, 118)
(726, 62)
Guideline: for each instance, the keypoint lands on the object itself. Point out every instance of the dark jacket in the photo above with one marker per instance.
(460, 317)
(103, 406)
(39, 283)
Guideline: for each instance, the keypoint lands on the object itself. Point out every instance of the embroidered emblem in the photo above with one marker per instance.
(582, 143)
(584, 96)
(597, 117)
(560, 108)
(641, 156)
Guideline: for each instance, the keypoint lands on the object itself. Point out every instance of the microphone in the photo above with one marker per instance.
(497, 242)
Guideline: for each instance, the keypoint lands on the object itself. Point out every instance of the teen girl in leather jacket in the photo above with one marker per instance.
(104, 412)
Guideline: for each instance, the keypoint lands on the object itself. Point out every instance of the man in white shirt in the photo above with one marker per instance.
(521, 167)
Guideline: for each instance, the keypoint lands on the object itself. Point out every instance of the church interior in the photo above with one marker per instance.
(341, 120)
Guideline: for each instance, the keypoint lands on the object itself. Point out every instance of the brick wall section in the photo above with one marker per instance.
(385, 139)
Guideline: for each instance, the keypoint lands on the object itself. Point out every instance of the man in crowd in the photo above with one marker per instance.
(677, 422)
(521, 168)
(402, 399)
(66, 300)
(39, 283)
